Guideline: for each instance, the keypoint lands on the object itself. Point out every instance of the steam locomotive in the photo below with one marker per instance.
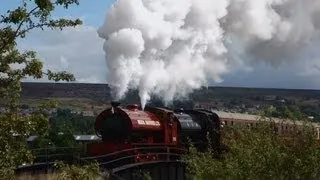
(129, 127)
(124, 128)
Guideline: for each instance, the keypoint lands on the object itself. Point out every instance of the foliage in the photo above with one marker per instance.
(14, 25)
(87, 172)
(142, 174)
(62, 129)
(53, 139)
(65, 120)
(293, 113)
(259, 153)
(50, 176)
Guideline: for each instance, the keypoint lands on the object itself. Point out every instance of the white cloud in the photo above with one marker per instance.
(299, 75)
(76, 50)
(80, 51)
(64, 62)
(311, 70)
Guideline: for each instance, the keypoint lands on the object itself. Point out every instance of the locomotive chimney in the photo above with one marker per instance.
(115, 104)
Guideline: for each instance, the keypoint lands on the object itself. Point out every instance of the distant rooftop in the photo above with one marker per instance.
(250, 117)
(76, 137)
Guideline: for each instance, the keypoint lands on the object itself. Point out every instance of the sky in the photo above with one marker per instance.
(80, 51)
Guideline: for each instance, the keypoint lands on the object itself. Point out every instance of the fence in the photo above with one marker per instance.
(45, 158)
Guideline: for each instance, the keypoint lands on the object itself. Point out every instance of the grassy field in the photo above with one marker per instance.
(79, 104)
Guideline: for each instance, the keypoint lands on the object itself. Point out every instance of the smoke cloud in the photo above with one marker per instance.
(169, 48)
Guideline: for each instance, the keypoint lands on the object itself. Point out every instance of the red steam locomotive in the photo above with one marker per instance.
(131, 127)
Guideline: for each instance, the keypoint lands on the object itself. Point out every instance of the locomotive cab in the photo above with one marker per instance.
(189, 130)
(210, 127)
(179, 127)
(169, 124)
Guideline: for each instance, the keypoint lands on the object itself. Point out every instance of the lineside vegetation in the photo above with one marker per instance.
(260, 153)
(15, 66)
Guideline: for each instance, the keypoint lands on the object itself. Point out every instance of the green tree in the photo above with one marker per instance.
(293, 113)
(65, 120)
(259, 153)
(14, 25)
(55, 139)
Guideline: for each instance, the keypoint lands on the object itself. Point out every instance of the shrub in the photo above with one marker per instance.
(259, 153)
(73, 172)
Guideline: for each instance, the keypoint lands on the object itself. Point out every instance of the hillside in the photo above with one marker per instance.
(248, 100)
(98, 92)
(102, 91)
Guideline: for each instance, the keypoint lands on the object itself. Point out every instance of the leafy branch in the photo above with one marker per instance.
(15, 66)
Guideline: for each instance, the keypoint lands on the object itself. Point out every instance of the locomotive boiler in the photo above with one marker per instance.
(124, 128)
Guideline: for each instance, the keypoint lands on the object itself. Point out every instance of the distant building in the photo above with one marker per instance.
(81, 139)
(270, 98)
(88, 113)
(78, 138)
(206, 105)
(311, 117)
(75, 112)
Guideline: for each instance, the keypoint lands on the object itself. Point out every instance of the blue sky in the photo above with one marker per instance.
(80, 51)
(90, 11)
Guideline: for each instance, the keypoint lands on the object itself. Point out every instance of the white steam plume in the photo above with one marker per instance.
(171, 47)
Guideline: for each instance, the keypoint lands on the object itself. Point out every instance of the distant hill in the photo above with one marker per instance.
(66, 90)
(102, 91)
(236, 99)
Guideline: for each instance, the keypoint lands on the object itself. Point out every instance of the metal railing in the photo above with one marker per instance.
(137, 149)
(46, 157)
(129, 156)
